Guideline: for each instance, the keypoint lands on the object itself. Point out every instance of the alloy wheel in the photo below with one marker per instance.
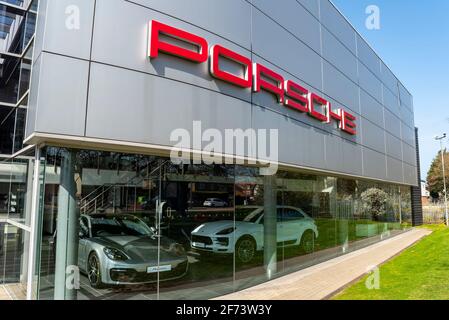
(246, 250)
(308, 242)
(94, 270)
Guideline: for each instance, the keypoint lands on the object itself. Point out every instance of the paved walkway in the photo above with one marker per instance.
(4, 295)
(323, 280)
(12, 292)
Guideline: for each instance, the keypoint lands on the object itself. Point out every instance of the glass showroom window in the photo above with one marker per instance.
(16, 175)
(139, 226)
(15, 221)
(406, 206)
(134, 218)
(16, 49)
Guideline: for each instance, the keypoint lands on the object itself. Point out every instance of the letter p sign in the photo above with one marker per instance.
(156, 44)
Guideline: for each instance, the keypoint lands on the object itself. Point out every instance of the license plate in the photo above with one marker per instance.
(199, 245)
(159, 269)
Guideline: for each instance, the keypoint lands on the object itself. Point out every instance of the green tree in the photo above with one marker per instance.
(374, 202)
(435, 174)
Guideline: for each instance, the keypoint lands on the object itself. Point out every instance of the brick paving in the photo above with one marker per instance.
(323, 280)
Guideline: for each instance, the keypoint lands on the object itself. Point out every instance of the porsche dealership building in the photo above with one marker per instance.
(187, 149)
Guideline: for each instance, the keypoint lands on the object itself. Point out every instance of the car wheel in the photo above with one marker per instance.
(245, 249)
(94, 271)
(308, 241)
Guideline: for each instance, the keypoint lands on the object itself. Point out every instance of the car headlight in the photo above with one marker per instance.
(226, 231)
(115, 254)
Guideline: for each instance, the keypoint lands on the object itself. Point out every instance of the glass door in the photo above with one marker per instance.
(15, 223)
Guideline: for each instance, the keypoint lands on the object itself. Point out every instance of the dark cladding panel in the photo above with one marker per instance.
(417, 213)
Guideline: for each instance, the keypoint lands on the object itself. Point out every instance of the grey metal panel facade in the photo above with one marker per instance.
(124, 46)
(368, 57)
(373, 136)
(40, 29)
(410, 174)
(370, 83)
(312, 6)
(394, 169)
(60, 105)
(294, 18)
(338, 86)
(340, 56)
(371, 109)
(407, 117)
(374, 164)
(407, 135)
(336, 23)
(266, 100)
(405, 97)
(273, 43)
(64, 27)
(113, 90)
(391, 102)
(132, 99)
(352, 158)
(30, 125)
(394, 146)
(388, 79)
(71, 40)
(230, 19)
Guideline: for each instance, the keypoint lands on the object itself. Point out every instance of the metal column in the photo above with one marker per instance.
(67, 229)
(270, 226)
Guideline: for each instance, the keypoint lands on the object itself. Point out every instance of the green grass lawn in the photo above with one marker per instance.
(420, 272)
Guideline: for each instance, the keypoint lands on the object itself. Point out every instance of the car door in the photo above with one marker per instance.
(82, 244)
(293, 224)
(281, 232)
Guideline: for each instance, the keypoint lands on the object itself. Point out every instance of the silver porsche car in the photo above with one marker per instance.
(122, 250)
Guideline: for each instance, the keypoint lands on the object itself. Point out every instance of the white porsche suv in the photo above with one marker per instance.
(246, 237)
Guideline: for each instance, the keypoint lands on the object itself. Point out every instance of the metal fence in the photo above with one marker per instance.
(434, 213)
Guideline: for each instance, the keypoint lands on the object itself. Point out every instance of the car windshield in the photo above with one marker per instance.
(248, 214)
(119, 226)
(254, 216)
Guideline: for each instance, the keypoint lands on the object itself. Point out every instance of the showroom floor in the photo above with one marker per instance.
(12, 292)
(4, 294)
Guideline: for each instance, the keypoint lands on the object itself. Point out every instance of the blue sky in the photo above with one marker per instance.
(414, 42)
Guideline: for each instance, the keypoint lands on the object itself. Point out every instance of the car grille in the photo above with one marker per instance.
(202, 239)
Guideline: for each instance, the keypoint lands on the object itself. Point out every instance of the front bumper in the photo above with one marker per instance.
(128, 274)
(215, 244)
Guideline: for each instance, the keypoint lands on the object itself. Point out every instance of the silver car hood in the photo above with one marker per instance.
(141, 249)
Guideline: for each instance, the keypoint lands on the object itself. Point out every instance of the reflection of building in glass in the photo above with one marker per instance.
(17, 26)
(425, 194)
(86, 180)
